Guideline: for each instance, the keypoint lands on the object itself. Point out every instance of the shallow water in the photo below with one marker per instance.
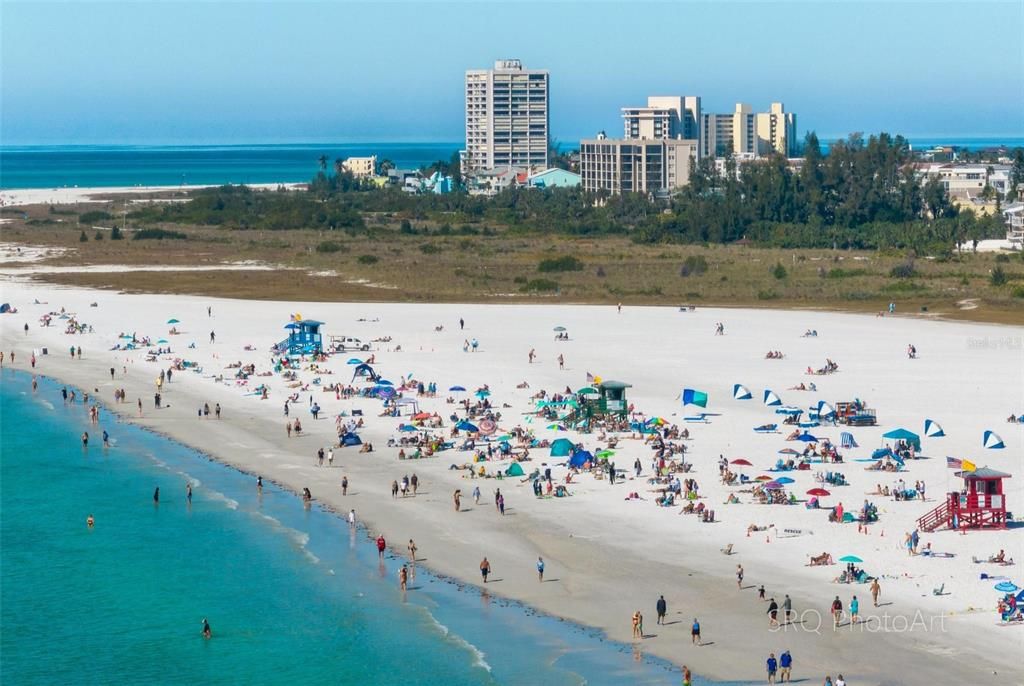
(289, 592)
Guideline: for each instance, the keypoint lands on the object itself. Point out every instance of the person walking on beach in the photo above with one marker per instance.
(457, 499)
(501, 505)
(140, 407)
(381, 545)
(320, 457)
(532, 354)
(216, 411)
(773, 613)
(787, 607)
(32, 361)
(412, 550)
(695, 633)
(837, 612)
(476, 495)
(785, 667)
(739, 577)
(854, 610)
(485, 568)
(876, 589)
(351, 517)
(561, 362)
(344, 485)
(462, 323)
(773, 667)
(414, 481)
(540, 569)
(403, 577)
(111, 373)
(662, 608)
(213, 337)
(638, 625)
(259, 485)
(288, 428)
(394, 489)
(497, 496)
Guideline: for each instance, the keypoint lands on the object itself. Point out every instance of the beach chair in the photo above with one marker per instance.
(727, 550)
(940, 590)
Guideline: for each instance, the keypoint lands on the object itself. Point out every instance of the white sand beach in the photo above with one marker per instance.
(67, 195)
(607, 555)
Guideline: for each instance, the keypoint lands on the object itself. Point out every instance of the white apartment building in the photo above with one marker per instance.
(745, 132)
(663, 117)
(361, 167)
(506, 118)
(643, 165)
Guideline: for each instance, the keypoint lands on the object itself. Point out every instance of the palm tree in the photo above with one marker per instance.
(322, 160)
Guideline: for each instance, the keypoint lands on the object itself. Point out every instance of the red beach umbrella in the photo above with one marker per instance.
(818, 492)
(743, 461)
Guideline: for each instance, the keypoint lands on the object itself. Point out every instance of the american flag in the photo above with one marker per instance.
(954, 463)
(590, 378)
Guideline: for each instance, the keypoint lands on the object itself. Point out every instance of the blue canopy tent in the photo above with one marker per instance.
(580, 458)
(349, 439)
(365, 370)
(904, 435)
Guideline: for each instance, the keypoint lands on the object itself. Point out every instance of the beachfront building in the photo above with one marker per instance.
(980, 504)
(745, 132)
(554, 178)
(361, 167)
(652, 166)
(663, 117)
(506, 118)
(1014, 214)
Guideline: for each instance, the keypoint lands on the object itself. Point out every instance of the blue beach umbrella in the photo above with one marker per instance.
(807, 438)
(784, 480)
(457, 389)
(162, 340)
(771, 399)
(483, 393)
(850, 558)
(384, 382)
(741, 392)
(173, 321)
(466, 425)
(1006, 587)
(932, 429)
(354, 360)
(992, 441)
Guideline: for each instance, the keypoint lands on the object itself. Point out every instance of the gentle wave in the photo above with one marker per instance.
(479, 657)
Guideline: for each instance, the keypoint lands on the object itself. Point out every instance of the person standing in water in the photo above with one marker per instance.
(188, 492)
(156, 496)
(403, 577)
(207, 632)
(85, 439)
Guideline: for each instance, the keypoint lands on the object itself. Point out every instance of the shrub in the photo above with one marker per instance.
(367, 259)
(157, 235)
(406, 227)
(566, 263)
(115, 234)
(328, 246)
(1002, 258)
(778, 271)
(693, 265)
(1018, 292)
(94, 216)
(767, 295)
(519, 279)
(838, 273)
(903, 271)
(83, 238)
(98, 236)
(429, 248)
(600, 273)
(540, 285)
(998, 276)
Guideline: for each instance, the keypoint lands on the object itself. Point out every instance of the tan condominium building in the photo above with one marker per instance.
(360, 167)
(506, 118)
(745, 132)
(640, 165)
(663, 117)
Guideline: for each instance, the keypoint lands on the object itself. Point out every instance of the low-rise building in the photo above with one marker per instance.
(361, 167)
(555, 178)
(651, 166)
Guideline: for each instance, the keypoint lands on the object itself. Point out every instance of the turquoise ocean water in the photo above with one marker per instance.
(291, 594)
(89, 166)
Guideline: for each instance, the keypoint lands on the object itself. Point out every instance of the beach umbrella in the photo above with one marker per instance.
(384, 382)
(173, 321)
(559, 329)
(587, 390)
(773, 486)
(488, 427)
(820, 492)
(605, 453)
(992, 441)
(457, 389)
(850, 558)
(406, 427)
(466, 425)
(556, 427)
(421, 415)
(789, 451)
(483, 393)
(824, 409)
(807, 438)
(693, 397)
(741, 392)
(784, 480)
(932, 429)
(742, 461)
(162, 340)
(354, 360)
(763, 477)
(1006, 587)
(770, 399)
(292, 326)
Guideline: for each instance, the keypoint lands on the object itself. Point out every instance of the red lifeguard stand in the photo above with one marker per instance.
(981, 505)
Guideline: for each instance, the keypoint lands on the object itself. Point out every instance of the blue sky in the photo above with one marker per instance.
(219, 72)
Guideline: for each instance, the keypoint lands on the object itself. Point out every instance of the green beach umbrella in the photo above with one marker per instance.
(587, 390)
(604, 453)
(850, 558)
(173, 321)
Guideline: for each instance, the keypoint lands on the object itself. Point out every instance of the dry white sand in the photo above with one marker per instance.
(70, 195)
(607, 556)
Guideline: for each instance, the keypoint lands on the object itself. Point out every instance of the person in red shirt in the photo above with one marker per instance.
(381, 545)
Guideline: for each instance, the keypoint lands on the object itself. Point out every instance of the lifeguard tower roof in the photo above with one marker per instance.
(614, 385)
(984, 473)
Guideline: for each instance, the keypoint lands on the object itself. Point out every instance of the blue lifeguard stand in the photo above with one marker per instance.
(304, 338)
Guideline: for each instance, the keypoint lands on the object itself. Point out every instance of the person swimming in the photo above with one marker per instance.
(207, 633)
(89, 521)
